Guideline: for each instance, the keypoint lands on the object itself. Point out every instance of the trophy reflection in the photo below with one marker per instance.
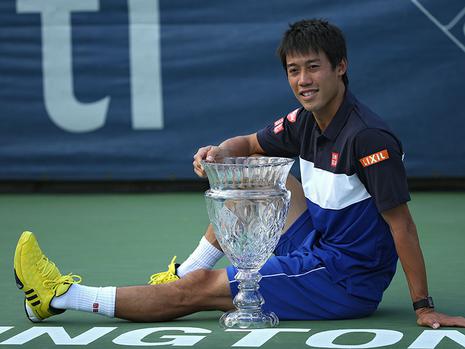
(247, 204)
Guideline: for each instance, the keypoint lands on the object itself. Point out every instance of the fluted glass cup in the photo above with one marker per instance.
(247, 204)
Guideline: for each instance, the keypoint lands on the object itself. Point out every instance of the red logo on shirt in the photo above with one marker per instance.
(278, 128)
(334, 159)
(374, 158)
(95, 307)
(292, 116)
(279, 121)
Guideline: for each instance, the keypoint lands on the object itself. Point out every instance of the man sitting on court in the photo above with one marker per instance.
(347, 225)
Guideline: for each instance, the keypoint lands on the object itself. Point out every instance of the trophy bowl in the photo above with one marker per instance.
(247, 204)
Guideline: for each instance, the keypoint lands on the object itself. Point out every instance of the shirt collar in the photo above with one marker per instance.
(339, 120)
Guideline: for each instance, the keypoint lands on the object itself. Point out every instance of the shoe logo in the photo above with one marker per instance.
(95, 307)
(34, 296)
(35, 303)
(30, 296)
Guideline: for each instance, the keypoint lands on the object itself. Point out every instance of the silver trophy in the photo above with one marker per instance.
(247, 204)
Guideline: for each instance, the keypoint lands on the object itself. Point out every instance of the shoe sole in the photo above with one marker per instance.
(30, 314)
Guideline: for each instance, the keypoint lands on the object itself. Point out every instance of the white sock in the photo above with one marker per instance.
(204, 256)
(100, 300)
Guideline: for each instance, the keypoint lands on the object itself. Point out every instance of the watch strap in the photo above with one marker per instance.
(424, 303)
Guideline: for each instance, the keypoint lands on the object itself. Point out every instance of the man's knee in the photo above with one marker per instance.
(197, 279)
(204, 288)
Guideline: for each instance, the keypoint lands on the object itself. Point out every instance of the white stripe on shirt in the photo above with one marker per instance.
(329, 190)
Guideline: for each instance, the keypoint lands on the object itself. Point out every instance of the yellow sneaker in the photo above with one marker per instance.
(165, 276)
(39, 279)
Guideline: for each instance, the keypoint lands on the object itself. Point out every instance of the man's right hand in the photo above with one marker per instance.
(209, 153)
(236, 146)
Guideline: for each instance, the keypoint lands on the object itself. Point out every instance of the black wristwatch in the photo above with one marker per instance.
(424, 303)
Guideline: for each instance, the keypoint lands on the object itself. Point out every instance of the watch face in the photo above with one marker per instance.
(430, 302)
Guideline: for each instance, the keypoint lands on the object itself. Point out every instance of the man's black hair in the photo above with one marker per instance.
(313, 35)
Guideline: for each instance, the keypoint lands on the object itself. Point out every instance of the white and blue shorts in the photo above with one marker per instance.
(297, 286)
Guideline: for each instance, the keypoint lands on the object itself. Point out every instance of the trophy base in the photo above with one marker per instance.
(248, 319)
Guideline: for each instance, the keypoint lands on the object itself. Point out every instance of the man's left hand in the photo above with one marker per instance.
(433, 319)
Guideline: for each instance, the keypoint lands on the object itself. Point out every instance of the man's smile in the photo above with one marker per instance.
(308, 94)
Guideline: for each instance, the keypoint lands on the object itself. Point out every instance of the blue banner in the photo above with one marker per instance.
(129, 89)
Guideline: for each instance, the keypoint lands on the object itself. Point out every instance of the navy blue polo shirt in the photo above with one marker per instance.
(350, 172)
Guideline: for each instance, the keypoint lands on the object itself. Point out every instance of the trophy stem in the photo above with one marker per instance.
(248, 302)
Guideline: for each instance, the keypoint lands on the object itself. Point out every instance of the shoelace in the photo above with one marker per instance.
(46, 268)
(64, 279)
(165, 276)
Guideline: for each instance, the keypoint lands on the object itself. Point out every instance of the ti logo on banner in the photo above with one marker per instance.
(145, 65)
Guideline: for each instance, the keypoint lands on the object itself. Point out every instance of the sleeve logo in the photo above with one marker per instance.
(278, 126)
(278, 129)
(292, 116)
(374, 158)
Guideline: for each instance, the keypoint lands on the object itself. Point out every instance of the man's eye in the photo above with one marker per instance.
(292, 71)
(314, 66)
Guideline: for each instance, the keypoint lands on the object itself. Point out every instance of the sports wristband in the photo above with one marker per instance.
(424, 303)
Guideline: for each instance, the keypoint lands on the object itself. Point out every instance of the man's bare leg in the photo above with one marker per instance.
(47, 291)
(199, 290)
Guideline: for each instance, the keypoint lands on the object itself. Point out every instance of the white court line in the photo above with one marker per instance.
(289, 276)
(439, 25)
(456, 19)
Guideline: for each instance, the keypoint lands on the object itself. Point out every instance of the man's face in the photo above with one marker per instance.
(314, 81)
